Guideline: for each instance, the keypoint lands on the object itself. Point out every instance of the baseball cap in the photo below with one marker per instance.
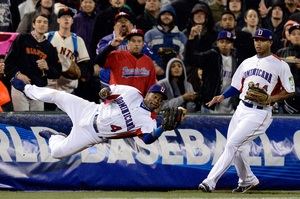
(263, 34)
(156, 88)
(65, 11)
(122, 14)
(224, 34)
(294, 27)
(135, 32)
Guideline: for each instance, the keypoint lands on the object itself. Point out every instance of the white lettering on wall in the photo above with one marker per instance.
(171, 152)
(196, 150)
(297, 146)
(23, 153)
(4, 147)
(120, 151)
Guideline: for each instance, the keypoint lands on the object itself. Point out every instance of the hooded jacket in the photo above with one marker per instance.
(175, 101)
(25, 25)
(157, 37)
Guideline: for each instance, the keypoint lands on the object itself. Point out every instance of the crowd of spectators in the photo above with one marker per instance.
(192, 47)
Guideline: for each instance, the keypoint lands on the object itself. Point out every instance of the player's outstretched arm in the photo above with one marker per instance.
(171, 118)
(149, 138)
(231, 91)
(214, 100)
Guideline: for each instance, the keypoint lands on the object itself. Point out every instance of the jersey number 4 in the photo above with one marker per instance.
(115, 128)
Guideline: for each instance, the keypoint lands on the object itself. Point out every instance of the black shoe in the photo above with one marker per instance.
(18, 84)
(204, 187)
(47, 134)
(243, 189)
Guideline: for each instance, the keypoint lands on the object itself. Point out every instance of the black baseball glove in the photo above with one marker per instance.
(172, 117)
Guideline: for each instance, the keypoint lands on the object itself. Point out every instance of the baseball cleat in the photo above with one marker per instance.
(243, 189)
(46, 134)
(18, 84)
(204, 187)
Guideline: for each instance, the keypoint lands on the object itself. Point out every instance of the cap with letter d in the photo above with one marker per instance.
(263, 33)
(224, 34)
(156, 88)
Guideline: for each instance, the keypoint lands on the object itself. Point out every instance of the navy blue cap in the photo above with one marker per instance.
(224, 34)
(156, 88)
(263, 34)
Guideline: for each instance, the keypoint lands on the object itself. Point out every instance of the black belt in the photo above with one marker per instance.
(95, 123)
(250, 105)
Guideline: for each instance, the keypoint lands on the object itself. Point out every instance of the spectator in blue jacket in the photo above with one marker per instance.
(166, 36)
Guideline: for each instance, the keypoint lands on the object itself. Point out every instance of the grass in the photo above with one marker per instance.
(146, 194)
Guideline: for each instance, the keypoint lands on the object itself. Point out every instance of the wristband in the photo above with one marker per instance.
(231, 91)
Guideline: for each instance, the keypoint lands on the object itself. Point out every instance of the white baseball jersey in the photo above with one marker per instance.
(268, 72)
(250, 121)
(125, 115)
(65, 49)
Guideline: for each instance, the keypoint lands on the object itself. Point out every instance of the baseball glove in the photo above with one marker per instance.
(257, 94)
(73, 72)
(172, 117)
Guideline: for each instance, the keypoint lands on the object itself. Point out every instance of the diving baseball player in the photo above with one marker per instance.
(125, 113)
(253, 115)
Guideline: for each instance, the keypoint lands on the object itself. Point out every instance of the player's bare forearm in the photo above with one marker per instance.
(281, 96)
(215, 99)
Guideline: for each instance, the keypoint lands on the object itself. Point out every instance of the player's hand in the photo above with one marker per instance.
(215, 99)
(104, 93)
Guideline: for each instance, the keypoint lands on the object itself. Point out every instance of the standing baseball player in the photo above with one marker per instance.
(125, 113)
(260, 81)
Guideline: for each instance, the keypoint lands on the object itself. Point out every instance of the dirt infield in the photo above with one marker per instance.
(147, 194)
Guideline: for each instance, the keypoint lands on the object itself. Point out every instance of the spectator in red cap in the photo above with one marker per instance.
(130, 67)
